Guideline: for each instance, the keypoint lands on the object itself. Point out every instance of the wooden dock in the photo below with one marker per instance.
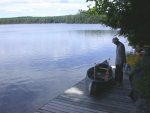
(77, 100)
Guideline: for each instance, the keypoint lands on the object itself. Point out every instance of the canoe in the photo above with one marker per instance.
(99, 77)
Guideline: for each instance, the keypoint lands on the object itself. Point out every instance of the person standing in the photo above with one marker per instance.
(120, 60)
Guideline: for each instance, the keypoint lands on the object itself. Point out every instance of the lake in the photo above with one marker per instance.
(40, 61)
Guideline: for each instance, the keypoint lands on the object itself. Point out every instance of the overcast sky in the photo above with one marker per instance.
(15, 8)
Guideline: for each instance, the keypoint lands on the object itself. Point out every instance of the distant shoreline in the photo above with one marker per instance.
(77, 19)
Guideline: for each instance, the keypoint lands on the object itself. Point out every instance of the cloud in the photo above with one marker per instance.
(64, 1)
(41, 7)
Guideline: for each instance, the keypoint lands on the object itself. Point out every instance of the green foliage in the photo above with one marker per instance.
(133, 60)
(141, 76)
(131, 16)
(89, 16)
(143, 84)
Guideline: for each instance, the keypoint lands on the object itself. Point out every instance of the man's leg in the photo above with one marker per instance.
(116, 73)
(119, 74)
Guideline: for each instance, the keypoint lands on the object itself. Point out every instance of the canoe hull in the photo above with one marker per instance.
(95, 78)
(94, 86)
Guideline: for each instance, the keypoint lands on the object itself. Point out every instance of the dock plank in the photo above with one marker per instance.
(76, 109)
(77, 100)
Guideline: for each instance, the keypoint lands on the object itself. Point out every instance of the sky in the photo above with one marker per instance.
(16, 8)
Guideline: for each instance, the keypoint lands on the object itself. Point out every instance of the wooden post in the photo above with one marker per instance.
(94, 71)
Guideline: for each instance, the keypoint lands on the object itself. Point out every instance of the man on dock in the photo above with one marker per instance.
(120, 60)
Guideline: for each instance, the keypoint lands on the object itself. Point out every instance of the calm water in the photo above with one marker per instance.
(40, 61)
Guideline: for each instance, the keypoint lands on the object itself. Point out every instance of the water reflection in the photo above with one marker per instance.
(51, 44)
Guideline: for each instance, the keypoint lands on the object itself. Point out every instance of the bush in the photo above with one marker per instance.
(143, 84)
(140, 74)
(133, 60)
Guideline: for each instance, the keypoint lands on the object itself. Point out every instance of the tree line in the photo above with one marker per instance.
(81, 17)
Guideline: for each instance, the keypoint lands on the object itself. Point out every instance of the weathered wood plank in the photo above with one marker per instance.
(64, 108)
(110, 96)
(72, 109)
(77, 100)
(77, 108)
(103, 100)
(52, 109)
(94, 105)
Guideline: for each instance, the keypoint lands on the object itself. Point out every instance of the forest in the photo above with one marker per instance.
(81, 17)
